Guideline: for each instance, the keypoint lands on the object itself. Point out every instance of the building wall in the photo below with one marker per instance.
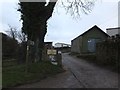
(9, 47)
(0, 47)
(58, 45)
(80, 44)
(119, 15)
(75, 45)
(112, 32)
(93, 34)
(119, 31)
(61, 45)
(48, 45)
(0, 60)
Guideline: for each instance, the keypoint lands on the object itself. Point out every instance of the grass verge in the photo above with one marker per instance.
(15, 75)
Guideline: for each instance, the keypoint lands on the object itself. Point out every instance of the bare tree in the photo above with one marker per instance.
(16, 34)
(21, 36)
(12, 32)
(76, 7)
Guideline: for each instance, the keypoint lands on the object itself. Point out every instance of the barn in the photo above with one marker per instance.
(86, 42)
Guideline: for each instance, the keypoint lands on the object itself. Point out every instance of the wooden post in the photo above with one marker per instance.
(59, 59)
(27, 55)
(118, 56)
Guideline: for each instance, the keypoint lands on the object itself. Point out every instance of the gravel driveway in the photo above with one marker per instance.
(79, 74)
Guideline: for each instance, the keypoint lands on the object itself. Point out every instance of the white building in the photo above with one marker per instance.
(119, 14)
(113, 31)
(62, 45)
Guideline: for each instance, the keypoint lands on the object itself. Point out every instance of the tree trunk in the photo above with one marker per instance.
(37, 57)
(39, 45)
(39, 42)
(36, 27)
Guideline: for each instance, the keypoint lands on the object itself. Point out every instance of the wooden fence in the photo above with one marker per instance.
(10, 62)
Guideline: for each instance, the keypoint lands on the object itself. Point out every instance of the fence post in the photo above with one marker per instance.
(27, 55)
(59, 58)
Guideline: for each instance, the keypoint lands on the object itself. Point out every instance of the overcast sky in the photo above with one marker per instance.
(61, 26)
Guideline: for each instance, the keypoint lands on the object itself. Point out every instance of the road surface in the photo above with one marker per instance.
(79, 74)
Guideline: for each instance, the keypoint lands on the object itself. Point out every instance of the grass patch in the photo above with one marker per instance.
(15, 75)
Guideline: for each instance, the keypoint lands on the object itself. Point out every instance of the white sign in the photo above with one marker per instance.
(51, 52)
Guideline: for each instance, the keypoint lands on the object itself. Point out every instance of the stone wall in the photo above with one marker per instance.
(108, 52)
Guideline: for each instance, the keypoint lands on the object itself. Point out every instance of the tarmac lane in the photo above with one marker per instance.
(79, 74)
(90, 75)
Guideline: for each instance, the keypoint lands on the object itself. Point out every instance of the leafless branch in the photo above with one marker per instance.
(16, 35)
(12, 32)
(74, 7)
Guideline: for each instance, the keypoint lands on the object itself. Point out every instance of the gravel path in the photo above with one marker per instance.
(79, 74)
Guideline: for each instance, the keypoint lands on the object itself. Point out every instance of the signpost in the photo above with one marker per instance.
(52, 55)
(51, 52)
(55, 56)
(29, 43)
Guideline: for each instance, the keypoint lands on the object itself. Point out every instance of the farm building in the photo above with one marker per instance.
(113, 31)
(58, 45)
(48, 45)
(86, 42)
(119, 14)
(63, 47)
